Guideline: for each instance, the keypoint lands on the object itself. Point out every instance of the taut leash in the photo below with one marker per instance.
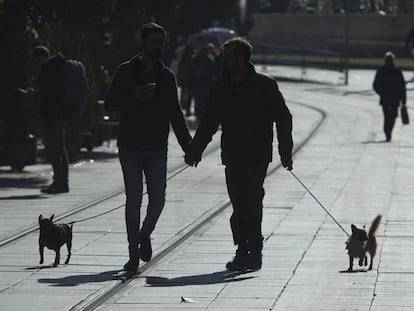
(122, 205)
(320, 204)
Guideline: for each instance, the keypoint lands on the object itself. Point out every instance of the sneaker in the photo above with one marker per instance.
(145, 249)
(254, 261)
(53, 189)
(131, 266)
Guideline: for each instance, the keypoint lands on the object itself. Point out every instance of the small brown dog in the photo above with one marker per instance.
(54, 236)
(359, 244)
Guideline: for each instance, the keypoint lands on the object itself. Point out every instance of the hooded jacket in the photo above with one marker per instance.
(246, 114)
(146, 125)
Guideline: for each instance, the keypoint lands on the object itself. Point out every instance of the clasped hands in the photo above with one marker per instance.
(190, 158)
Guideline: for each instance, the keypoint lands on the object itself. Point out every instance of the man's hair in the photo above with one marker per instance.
(151, 28)
(241, 46)
(40, 51)
(389, 58)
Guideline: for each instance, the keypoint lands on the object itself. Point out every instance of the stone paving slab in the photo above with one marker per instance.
(346, 165)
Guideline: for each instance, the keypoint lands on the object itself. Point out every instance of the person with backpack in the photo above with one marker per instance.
(62, 93)
(144, 92)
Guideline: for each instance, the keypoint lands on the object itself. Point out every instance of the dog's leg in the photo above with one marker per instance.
(57, 258)
(361, 260)
(69, 245)
(351, 262)
(371, 261)
(41, 248)
(366, 261)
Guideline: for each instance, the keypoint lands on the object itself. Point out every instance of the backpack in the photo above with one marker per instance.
(76, 88)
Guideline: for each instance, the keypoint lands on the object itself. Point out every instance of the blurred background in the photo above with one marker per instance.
(334, 34)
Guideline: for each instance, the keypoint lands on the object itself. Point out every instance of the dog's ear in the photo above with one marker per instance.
(51, 218)
(353, 228)
(40, 218)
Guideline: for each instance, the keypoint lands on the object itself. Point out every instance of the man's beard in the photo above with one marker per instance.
(154, 54)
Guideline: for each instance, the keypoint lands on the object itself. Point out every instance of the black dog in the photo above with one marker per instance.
(54, 237)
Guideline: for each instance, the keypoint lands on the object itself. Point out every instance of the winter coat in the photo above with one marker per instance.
(390, 85)
(246, 114)
(146, 125)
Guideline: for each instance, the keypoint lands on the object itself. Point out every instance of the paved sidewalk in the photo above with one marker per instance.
(346, 165)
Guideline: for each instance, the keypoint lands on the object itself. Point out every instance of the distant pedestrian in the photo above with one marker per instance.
(144, 91)
(184, 79)
(202, 78)
(389, 84)
(246, 104)
(51, 89)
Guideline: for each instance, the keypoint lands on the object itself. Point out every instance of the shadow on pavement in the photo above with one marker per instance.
(22, 182)
(25, 197)
(75, 280)
(201, 279)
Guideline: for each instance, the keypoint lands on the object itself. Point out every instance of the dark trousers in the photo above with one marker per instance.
(57, 155)
(390, 114)
(135, 163)
(245, 189)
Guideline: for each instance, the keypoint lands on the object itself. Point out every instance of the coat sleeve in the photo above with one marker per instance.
(283, 119)
(208, 126)
(116, 92)
(176, 116)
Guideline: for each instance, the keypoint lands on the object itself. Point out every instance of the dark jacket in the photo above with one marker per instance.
(146, 125)
(51, 87)
(390, 85)
(246, 114)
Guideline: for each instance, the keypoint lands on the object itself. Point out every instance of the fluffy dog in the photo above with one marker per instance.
(360, 243)
(54, 236)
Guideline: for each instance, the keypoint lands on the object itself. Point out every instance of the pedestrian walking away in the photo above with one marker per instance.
(389, 84)
(144, 92)
(51, 91)
(246, 104)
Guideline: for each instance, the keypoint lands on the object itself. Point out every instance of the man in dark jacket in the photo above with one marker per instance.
(389, 84)
(246, 104)
(144, 91)
(51, 102)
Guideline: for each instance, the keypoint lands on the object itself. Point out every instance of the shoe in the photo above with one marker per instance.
(145, 249)
(131, 267)
(53, 189)
(46, 189)
(254, 261)
(239, 262)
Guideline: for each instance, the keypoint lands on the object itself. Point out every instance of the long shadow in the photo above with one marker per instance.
(200, 279)
(25, 197)
(22, 182)
(374, 142)
(75, 280)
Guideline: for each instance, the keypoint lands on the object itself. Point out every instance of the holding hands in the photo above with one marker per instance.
(190, 158)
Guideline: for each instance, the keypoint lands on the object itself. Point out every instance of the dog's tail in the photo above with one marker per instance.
(374, 226)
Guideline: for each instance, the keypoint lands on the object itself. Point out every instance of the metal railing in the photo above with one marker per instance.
(303, 58)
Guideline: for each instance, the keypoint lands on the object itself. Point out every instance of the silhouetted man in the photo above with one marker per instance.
(246, 104)
(51, 90)
(144, 91)
(389, 84)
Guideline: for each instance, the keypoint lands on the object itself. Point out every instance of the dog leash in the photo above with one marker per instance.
(122, 205)
(321, 205)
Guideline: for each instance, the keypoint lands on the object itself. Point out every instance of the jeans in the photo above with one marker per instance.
(55, 146)
(245, 189)
(135, 163)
